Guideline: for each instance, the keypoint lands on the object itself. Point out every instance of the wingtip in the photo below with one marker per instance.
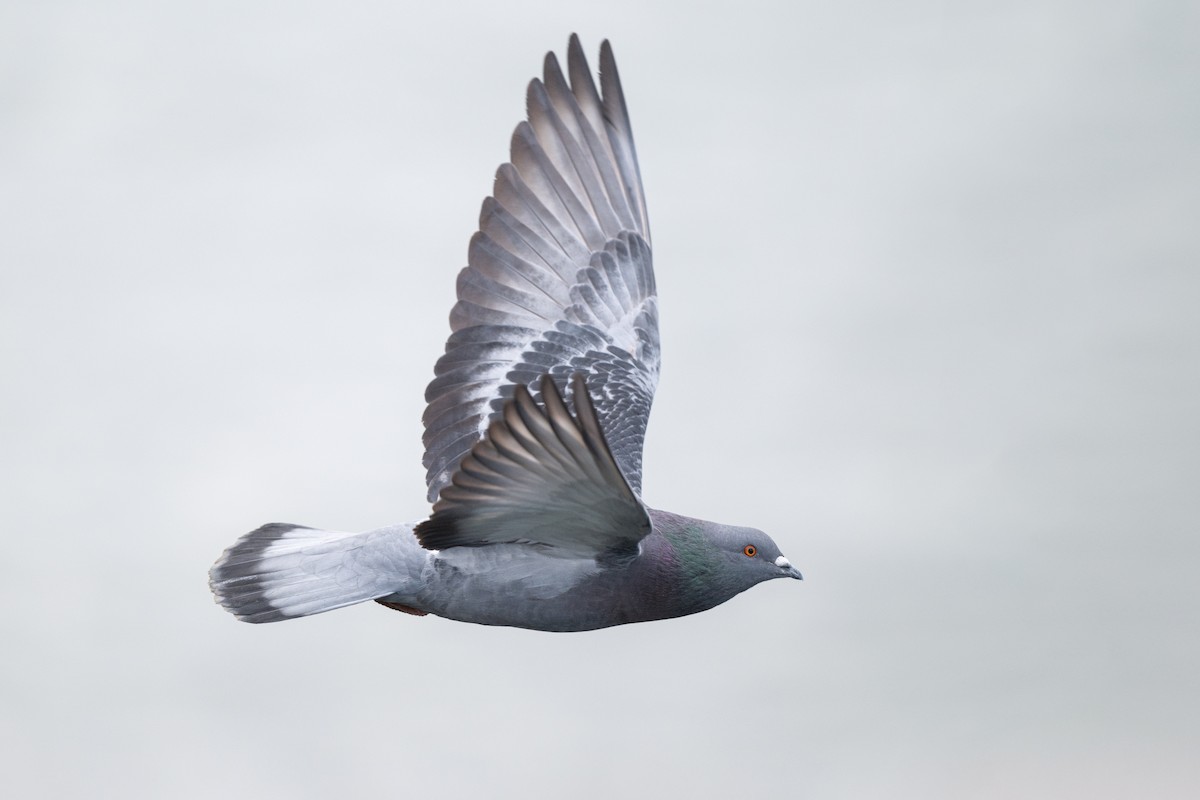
(550, 65)
(531, 92)
(607, 60)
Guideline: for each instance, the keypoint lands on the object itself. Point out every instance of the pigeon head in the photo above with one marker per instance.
(750, 554)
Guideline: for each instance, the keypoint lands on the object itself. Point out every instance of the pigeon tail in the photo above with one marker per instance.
(282, 571)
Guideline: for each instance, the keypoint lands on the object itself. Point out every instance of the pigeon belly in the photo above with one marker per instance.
(522, 586)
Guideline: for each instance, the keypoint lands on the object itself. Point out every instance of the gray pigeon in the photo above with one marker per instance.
(537, 517)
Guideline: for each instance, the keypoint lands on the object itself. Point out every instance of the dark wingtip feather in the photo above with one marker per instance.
(577, 65)
(550, 66)
(608, 62)
(530, 90)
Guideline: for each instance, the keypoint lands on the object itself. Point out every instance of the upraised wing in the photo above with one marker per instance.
(540, 477)
(559, 278)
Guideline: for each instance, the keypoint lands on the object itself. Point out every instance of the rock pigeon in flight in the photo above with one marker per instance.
(536, 416)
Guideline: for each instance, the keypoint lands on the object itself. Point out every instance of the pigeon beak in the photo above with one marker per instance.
(788, 570)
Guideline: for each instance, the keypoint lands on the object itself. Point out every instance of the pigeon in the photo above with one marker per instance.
(536, 417)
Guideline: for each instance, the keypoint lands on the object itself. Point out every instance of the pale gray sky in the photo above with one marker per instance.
(929, 277)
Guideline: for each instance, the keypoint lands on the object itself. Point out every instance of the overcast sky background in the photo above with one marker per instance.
(929, 283)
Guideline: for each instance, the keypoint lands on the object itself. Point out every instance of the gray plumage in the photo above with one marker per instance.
(537, 519)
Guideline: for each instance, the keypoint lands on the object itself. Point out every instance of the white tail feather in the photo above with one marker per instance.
(282, 571)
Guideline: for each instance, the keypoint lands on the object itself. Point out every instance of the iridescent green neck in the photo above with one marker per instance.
(693, 561)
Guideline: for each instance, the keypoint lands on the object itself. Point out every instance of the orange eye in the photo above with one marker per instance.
(750, 550)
